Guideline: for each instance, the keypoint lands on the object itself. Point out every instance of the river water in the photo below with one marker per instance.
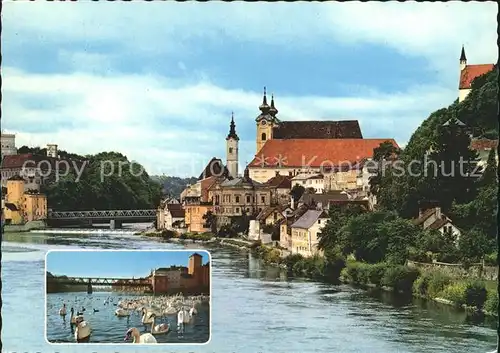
(254, 308)
(109, 328)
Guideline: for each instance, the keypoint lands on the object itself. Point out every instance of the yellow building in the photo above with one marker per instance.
(194, 216)
(305, 230)
(23, 206)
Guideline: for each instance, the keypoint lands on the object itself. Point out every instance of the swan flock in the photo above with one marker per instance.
(150, 309)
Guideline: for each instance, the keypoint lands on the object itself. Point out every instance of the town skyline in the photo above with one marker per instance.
(116, 264)
(170, 104)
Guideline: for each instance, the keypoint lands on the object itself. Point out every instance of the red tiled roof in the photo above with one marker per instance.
(17, 161)
(470, 72)
(280, 181)
(314, 152)
(483, 144)
(321, 129)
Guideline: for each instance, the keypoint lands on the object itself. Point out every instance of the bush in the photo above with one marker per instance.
(421, 285)
(455, 292)
(475, 294)
(168, 234)
(491, 259)
(291, 260)
(352, 272)
(491, 304)
(400, 278)
(437, 282)
(376, 273)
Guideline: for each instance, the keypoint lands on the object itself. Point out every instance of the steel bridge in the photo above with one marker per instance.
(99, 215)
(115, 217)
(96, 281)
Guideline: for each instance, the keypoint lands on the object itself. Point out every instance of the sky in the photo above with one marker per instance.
(117, 264)
(157, 81)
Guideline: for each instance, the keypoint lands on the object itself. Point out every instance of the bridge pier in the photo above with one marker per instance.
(114, 224)
(89, 287)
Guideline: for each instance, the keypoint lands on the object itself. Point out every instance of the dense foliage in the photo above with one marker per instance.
(172, 185)
(107, 181)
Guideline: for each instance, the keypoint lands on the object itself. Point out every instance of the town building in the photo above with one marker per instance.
(434, 219)
(269, 127)
(170, 216)
(8, 143)
(305, 230)
(295, 156)
(273, 215)
(37, 169)
(237, 197)
(483, 148)
(279, 186)
(22, 205)
(311, 181)
(468, 73)
(193, 279)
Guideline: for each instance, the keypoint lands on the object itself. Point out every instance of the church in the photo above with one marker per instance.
(468, 73)
(291, 148)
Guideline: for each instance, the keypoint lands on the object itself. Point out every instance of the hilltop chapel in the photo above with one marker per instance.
(468, 73)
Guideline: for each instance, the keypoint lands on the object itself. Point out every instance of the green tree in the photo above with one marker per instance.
(473, 246)
(452, 164)
(210, 221)
(339, 215)
(297, 192)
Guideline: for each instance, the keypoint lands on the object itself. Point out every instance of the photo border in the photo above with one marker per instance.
(126, 344)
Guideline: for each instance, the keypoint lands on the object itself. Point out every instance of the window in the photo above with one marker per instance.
(237, 199)
(237, 210)
(290, 173)
(249, 199)
(263, 136)
(263, 199)
(230, 150)
(319, 221)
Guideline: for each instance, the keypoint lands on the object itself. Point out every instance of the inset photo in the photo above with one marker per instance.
(120, 297)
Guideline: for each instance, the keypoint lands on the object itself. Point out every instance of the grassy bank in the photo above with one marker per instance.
(473, 294)
(172, 235)
(477, 295)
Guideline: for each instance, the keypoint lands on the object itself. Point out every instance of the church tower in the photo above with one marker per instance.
(232, 149)
(463, 59)
(265, 122)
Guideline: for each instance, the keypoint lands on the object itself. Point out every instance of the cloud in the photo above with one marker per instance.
(175, 124)
(175, 129)
(431, 30)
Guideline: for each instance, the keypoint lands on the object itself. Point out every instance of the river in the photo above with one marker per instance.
(255, 308)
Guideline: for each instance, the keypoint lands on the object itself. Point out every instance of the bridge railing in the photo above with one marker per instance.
(102, 214)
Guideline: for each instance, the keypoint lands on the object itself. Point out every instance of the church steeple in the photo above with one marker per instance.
(463, 59)
(264, 108)
(462, 55)
(272, 110)
(232, 129)
(232, 149)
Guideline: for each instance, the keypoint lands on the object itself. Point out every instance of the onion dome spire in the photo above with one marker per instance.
(264, 108)
(232, 129)
(272, 110)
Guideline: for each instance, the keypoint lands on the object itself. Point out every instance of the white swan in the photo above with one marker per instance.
(62, 311)
(183, 317)
(82, 330)
(138, 338)
(170, 311)
(72, 319)
(146, 317)
(122, 312)
(158, 329)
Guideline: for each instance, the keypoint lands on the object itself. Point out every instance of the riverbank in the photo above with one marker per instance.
(27, 227)
(471, 295)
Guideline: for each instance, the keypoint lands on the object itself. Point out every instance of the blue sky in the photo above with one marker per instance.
(118, 264)
(157, 81)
